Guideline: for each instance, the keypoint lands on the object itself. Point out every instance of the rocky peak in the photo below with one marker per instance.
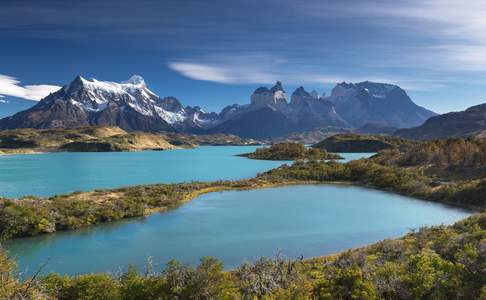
(261, 90)
(300, 91)
(343, 90)
(376, 89)
(171, 104)
(314, 94)
(300, 96)
(277, 87)
(136, 80)
(77, 83)
(274, 96)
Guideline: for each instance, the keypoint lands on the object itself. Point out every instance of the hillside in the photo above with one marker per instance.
(79, 139)
(472, 121)
(104, 139)
(361, 143)
(217, 139)
(309, 137)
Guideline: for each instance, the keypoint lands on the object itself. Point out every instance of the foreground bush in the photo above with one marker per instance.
(443, 262)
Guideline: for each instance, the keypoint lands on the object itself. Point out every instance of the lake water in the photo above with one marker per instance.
(55, 173)
(237, 226)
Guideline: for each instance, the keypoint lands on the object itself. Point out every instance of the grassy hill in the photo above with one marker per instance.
(79, 139)
(102, 139)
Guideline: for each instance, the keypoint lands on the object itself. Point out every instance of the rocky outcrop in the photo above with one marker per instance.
(379, 103)
(264, 96)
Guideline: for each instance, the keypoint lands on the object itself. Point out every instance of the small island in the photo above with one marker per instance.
(351, 142)
(291, 151)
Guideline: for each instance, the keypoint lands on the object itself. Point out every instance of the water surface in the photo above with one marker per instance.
(237, 226)
(63, 172)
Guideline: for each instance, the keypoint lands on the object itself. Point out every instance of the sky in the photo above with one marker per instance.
(215, 53)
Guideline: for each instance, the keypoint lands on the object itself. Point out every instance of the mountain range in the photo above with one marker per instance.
(131, 105)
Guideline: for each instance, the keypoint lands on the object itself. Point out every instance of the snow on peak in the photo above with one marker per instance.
(94, 95)
(135, 80)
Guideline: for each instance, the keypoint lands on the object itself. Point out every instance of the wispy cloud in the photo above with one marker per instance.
(448, 35)
(231, 68)
(228, 74)
(421, 45)
(10, 86)
(265, 68)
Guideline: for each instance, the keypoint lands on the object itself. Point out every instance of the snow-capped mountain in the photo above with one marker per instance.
(129, 105)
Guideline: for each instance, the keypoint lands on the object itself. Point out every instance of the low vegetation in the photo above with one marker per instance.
(218, 139)
(32, 216)
(290, 151)
(411, 182)
(362, 143)
(93, 139)
(104, 139)
(443, 262)
(456, 153)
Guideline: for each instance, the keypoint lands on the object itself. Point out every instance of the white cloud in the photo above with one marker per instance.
(203, 72)
(265, 69)
(230, 68)
(451, 34)
(10, 86)
(421, 45)
(460, 27)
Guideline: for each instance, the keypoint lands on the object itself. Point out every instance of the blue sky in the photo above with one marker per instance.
(215, 53)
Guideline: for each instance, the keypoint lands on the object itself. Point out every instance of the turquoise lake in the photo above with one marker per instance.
(237, 226)
(234, 226)
(56, 173)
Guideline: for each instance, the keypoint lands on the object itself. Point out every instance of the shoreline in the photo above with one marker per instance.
(7, 152)
(111, 195)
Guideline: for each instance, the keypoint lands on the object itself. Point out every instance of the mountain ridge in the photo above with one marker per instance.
(131, 105)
